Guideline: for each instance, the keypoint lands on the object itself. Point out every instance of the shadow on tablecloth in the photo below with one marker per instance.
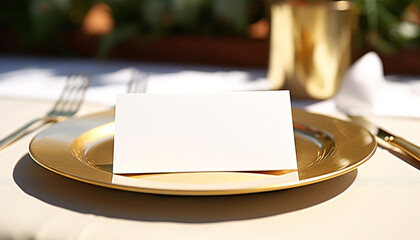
(85, 198)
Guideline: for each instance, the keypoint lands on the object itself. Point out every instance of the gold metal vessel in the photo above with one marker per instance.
(310, 46)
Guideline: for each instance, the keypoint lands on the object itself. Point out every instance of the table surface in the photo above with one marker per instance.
(379, 200)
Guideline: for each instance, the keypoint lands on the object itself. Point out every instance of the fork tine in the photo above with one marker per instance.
(58, 104)
(79, 93)
(138, 82)
(143, 83)
(72, 95)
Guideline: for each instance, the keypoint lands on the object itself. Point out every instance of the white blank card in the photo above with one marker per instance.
(229, 131)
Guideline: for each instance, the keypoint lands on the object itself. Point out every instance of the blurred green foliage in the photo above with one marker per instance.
(151, 19)
(385, 24)
(43, 23)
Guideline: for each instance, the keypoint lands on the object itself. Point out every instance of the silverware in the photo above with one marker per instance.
(138, 82)
(67, 105)
(398, 142)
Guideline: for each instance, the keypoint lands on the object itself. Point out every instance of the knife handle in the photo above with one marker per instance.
(405, 146)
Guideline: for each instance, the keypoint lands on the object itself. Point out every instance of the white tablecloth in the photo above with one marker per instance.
(377, 201)
(38, 78)
(365, 90)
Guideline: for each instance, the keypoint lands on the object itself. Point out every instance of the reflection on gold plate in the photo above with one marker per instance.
(81, 148)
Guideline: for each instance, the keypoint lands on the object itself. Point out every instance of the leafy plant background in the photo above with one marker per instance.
(384, 25)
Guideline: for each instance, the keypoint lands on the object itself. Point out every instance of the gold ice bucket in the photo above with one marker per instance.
(310, 46)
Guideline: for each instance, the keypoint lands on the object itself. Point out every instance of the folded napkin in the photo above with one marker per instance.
(366, 91)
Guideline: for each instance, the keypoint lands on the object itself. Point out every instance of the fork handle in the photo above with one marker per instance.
(17, 134)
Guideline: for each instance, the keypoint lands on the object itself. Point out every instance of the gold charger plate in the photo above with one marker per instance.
(81, 148)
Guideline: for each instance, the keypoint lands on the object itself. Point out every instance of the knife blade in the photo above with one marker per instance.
(404, 145)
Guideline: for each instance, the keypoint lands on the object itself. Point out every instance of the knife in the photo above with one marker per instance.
(398, 142)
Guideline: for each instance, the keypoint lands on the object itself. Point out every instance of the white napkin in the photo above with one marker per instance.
(366, 91)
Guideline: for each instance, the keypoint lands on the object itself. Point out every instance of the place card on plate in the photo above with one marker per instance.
(229, 131)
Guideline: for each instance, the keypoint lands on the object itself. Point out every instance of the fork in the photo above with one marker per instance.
(138, 82)
(67, 105)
